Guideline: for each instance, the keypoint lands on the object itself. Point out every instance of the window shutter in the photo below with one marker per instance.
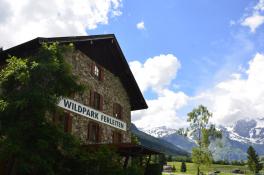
(88, 131)
(99, 133)
(67, 123)
(88, 128)
(121, 112)
(114, 109)
(119, 137)
(91, 98)
(101, 73)
(101, 102)
(113, 137)
(92, 68)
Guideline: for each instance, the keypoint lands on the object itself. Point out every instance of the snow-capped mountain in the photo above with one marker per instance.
(246, 131)
(172, 136)
(236, 139)
(159, 131)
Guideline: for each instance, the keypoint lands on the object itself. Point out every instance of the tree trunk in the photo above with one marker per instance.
(11, 165)
(198, 170)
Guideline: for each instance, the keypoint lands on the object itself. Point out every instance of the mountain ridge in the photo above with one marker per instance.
(156, 143)
(236, 139)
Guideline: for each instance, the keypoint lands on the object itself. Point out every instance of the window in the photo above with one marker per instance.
(117, 111)
(65, 121)
(93, 132)
(68, 123)
(97, 71)
(96, 100)
(116, 137)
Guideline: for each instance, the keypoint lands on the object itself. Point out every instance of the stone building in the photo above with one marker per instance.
(102, 114)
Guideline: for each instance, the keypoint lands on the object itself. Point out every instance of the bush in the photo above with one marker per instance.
(154, 169)
(134, 170)
(173, 168)
(183, 167)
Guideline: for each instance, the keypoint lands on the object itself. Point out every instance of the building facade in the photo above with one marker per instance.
(105, 93)
(102, 113)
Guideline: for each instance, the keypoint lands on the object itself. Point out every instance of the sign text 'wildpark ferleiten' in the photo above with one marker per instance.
(91, 113)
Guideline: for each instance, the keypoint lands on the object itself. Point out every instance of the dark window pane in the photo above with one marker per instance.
(97, 101)
(116, 137)
(117, 111)
(93, 132)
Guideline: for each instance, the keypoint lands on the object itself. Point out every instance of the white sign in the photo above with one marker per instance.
(91, 113)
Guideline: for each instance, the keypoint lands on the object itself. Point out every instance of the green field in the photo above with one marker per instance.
(224, 169)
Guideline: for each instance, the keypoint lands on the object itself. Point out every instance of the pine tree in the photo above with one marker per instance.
(253, 160)
(183, 167)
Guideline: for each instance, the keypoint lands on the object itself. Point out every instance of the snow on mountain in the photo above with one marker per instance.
(246, 131)
(236, 139)
(159, 131)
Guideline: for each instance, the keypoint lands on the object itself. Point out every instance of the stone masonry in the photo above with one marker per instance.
(110, 88)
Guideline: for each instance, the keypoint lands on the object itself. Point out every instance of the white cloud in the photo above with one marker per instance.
(162, 111)
(260, 5)
(240, 96)
(156, 73)
(24, 20)
(237, 98)
(256, 19)
(141, 25)
(5, 11)
(253, 22)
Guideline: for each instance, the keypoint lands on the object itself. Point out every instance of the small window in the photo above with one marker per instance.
(93, 132)
(65, 121)
(97, 71)
(116, 137)
(117, 111)
(96, 100)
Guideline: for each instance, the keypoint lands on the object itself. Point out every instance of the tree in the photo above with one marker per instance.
(162, 159)
(30, 143)
(253, 160)
(182, 132)
(202, 133)
(183, 167)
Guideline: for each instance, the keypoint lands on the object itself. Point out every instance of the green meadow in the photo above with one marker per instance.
(224, 169)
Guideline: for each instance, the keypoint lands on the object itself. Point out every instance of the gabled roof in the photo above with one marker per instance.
(103, 49)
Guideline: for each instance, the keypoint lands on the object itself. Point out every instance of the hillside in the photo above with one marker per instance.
(180, 141)
(157, 143)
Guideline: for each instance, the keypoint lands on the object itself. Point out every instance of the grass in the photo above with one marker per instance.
(224, 169)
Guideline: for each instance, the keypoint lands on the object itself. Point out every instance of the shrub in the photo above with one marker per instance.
(183, 167)
(173, 168)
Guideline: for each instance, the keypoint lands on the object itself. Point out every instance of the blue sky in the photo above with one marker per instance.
(182, 52)
(210, 42)
(199, 33)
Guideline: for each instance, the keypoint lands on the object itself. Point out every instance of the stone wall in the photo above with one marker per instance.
(112, 90)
